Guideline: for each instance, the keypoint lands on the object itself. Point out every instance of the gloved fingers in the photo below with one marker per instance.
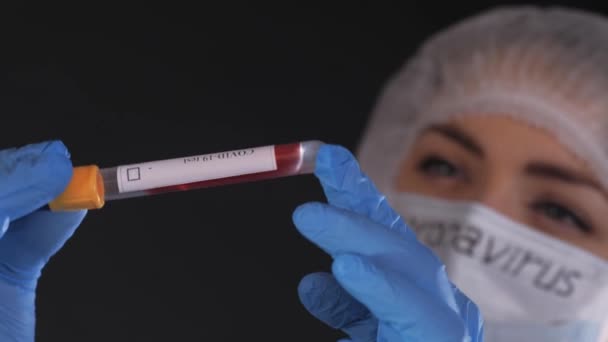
(32, 176)
(346, 186)
(30, 241)
(337, 230)
(325, 299)
(411, 312)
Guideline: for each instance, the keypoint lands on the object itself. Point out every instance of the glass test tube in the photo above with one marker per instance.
(90, 186)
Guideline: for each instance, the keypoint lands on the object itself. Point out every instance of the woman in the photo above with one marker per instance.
(491, 143)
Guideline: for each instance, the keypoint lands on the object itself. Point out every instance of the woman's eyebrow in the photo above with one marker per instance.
(543, 169)
(459, 137)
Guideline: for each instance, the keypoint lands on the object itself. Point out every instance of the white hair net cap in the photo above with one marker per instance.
(548, 67)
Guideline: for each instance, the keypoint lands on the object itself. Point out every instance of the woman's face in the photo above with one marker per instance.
(518, 170)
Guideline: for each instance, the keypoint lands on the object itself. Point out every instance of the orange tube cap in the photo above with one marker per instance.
(85, 191)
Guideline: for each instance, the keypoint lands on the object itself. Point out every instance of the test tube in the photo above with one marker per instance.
(90, 186)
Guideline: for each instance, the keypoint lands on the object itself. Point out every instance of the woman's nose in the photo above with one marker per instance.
(498, 194)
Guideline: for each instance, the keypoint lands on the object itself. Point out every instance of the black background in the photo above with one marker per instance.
(136, 83)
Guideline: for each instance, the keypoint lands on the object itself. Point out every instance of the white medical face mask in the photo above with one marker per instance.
(529, 286)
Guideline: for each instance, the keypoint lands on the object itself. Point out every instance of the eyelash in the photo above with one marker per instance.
(562, 214)
(430, 166)
(436, 166)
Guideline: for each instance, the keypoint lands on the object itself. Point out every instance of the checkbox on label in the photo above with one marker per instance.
(133, 174)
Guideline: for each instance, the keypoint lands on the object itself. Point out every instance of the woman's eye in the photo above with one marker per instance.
(561, 214)
(438, 167)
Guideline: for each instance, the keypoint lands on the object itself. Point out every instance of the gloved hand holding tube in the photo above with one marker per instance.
(386, 286)
(30, 177)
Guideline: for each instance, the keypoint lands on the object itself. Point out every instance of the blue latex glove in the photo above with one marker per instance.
(30, 177)
(386, 286)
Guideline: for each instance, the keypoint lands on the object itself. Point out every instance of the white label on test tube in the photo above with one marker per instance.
(156, 174)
